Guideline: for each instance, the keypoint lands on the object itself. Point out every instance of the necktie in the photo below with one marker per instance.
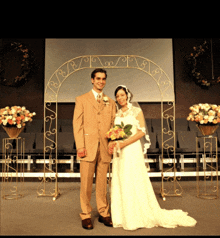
(98, 98)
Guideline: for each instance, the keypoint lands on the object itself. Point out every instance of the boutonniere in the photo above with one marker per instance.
(105, 100)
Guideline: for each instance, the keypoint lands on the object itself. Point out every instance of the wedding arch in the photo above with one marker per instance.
(71, 66)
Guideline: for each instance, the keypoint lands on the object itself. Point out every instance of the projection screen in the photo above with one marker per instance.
(144, 88)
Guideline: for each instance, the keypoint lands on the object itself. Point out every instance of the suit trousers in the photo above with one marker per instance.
(87, 170)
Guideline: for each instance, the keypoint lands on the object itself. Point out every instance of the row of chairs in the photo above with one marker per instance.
(34, 142)
(154, 125)
(185, 139)
(185, 142)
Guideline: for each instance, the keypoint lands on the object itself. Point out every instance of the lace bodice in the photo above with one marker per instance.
(135, 117)
(133, 111)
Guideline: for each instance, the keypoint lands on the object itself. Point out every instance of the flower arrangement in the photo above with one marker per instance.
(196, 61)
(205, 113)
(119, 132)
(15, 116)
(27, 65)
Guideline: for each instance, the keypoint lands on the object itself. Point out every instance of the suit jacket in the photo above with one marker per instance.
(91, 121)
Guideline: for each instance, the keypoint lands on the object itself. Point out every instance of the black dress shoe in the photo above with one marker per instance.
(87, 224)
(106, 220)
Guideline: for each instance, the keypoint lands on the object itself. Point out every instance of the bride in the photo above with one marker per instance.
(133, 202)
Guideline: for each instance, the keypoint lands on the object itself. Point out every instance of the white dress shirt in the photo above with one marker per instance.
(96, 94)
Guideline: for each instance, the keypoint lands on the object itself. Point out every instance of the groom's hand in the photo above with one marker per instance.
(82, 152)
(111, 146)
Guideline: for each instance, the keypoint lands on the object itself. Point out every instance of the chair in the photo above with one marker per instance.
(154, 147)
(156, 124)
(29, 141)
(65, 142)
(192, 126)
(39, 143)
(181, 124)
(187, 141)
(2, 135)
(35, 126)
(65, 125)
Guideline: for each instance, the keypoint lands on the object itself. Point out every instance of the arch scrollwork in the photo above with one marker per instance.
(108, 62)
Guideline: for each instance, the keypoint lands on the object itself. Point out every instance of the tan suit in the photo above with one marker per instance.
(91, 121)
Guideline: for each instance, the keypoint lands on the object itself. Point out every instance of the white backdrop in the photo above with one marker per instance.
(144, 88)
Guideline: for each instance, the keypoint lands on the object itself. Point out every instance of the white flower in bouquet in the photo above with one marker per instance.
(13, 111)
(211, 113)
(211, 119)
(214, 106)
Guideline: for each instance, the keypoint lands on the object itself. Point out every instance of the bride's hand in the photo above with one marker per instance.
(113, 144)
(122, 144)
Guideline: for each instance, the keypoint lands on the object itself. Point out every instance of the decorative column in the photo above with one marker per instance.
(13, 167)
(207, 167)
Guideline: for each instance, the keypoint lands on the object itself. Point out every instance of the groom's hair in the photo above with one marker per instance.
(98, 71)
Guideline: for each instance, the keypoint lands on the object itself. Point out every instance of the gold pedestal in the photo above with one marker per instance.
(207, 167)
(13, 168)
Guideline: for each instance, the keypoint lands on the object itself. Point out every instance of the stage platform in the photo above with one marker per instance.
(32, 215)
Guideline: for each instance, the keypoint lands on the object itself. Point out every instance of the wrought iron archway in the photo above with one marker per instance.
(51, 92)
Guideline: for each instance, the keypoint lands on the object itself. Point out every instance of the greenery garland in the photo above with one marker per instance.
(16, 52)
(196, 66)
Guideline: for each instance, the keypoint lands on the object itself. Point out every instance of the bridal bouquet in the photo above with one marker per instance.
(15, 116)
(204, 113)
(119, 132)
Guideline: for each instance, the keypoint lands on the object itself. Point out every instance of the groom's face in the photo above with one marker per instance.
(99, 82)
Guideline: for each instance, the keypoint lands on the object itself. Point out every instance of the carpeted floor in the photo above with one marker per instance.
(32, 215)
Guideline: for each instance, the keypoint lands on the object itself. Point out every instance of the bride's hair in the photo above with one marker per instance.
(126, 90)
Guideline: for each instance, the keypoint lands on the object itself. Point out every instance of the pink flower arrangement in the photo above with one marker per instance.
(15, 116)
(204, 113)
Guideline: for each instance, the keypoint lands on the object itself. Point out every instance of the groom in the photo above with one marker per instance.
(93, 116)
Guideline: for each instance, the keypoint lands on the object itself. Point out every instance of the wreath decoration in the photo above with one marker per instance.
(196, 66)
(17, 64)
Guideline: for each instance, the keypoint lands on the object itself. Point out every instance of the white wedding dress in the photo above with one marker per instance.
(133, 202)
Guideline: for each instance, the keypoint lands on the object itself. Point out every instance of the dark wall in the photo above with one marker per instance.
(187, 92)
(31, 94)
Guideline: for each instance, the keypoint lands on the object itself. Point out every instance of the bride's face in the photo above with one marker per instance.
(121, 97)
